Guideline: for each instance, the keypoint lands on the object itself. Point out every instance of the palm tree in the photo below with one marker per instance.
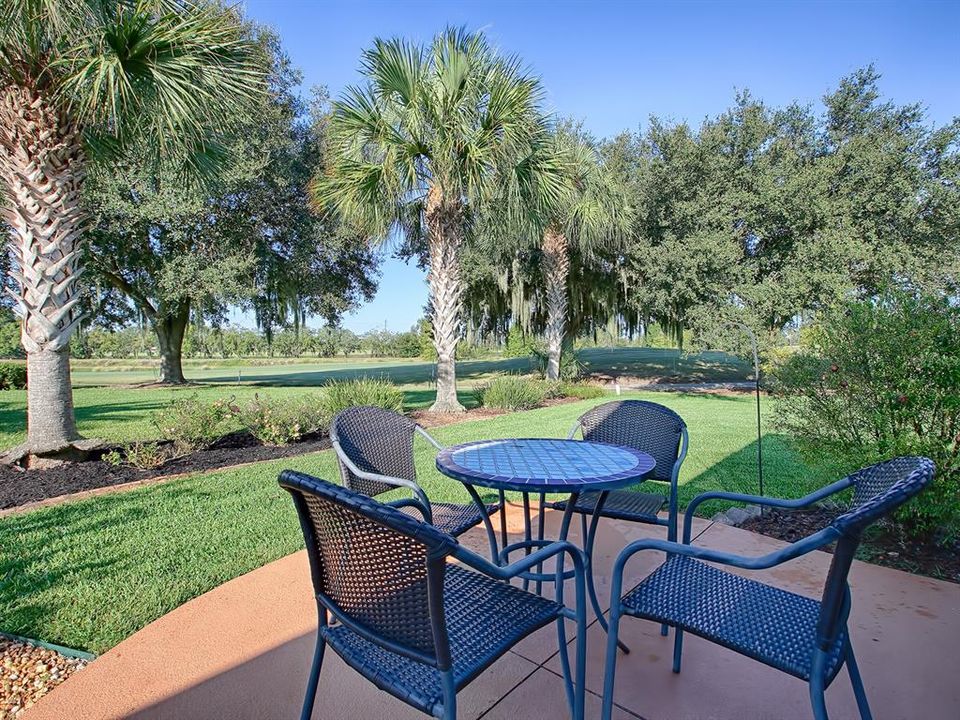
(569, 203)
(419, 148)
(80, 80)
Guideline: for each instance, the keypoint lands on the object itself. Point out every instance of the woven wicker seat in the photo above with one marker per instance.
(806, 638)
(374, 449)
(475, 607)
(774, 626)
(650, 428)
(622, 505)
(393, 607)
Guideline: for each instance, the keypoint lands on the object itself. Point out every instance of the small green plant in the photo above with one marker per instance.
(580, 390)
(570, 366)
(141, 455)
(192, 424)
(13, 376)
(362, 391)
(512, 392)
(878, 379)
(275, 421)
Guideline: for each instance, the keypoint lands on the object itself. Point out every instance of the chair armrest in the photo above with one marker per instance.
(418, 492)
(430, 439)
(508, 572)
(759, 500)
(778, 557)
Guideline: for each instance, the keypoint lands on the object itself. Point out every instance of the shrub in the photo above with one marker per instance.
(512, 392)
(582, 391)
(191, 423)
(362, 391)
(13, 376)
(141, 455)
(880, 379)
(283, 421)
(570, 366)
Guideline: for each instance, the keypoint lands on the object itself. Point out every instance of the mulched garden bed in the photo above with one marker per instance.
(28, 672)
(18, 487)
(882, 544)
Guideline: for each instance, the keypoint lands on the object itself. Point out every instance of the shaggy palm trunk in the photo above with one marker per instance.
(444, 238)
(41, 168)
(170, 331)
(556, 268)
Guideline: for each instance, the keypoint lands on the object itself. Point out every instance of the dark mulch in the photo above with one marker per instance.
(882, 544)
(18, 487)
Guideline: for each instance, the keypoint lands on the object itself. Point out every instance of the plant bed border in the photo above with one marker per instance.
(880, 546)
(319, 443)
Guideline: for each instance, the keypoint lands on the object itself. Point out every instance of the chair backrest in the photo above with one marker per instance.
(878, 490)
(376, 441)
(377, 570)
(645, 426)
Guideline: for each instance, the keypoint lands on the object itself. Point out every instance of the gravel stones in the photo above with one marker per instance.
(27, 673)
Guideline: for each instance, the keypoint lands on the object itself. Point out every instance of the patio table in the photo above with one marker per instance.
(541, 466)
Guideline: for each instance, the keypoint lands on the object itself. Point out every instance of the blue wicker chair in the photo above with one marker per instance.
(374, 449)
(650, 428)
(798, 635)
(413, 624)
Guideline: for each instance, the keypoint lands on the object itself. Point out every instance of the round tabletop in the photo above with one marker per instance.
(544, 464)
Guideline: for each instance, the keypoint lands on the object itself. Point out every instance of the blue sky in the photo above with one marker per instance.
(613, 64)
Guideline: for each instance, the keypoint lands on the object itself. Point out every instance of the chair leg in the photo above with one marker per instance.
(817, 699)
(314, 679)
(449, 695)
(610, 670)
(857, 683)
(677, 648)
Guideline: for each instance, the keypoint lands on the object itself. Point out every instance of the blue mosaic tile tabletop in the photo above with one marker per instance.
(544, 464)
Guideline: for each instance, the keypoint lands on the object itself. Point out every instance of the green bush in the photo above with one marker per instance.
(141, 455)
(570, 366)
(13, 376)
(362, 391)
(275, 421)
(582, 391)
(512, 392)
(191, 423)
(518, 343)
(876, 380)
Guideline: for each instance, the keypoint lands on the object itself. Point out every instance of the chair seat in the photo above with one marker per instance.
(620, 505)
(451, 518)
(485, 618)
(774, 626)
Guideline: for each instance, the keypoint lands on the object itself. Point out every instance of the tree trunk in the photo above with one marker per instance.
(556, 268)
(170, 331)
(50, 422)
(444, 238)
(41, 170)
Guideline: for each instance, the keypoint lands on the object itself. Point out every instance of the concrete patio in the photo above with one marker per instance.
(242, 651)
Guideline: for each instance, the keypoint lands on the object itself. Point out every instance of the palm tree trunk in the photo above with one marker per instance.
(41, 168)
(444, 238)
(556, 268)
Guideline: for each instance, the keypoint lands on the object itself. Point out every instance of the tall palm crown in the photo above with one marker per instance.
(81, 80)
(420, 146)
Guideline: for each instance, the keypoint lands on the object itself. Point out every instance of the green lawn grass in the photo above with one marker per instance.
(90, 573)
(107, 409)
(633, 361)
